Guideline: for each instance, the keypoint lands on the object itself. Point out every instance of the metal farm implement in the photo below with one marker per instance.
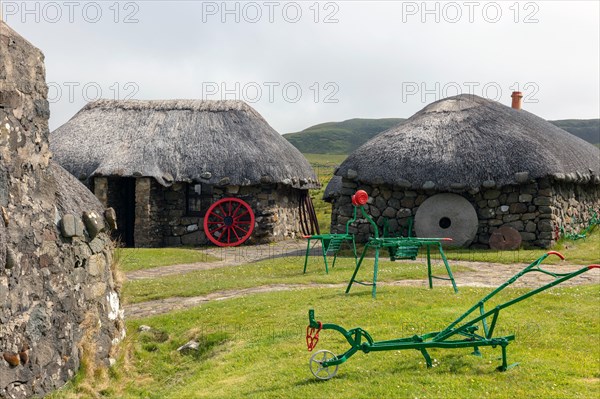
(464, 332)
(398, 248)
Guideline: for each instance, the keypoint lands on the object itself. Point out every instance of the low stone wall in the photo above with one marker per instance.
(535, 209)
(163, 221)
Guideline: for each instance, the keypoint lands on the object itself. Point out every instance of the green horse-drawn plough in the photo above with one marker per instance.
(474, 329)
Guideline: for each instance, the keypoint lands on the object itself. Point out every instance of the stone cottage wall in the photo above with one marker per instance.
(534, 209)
(275, 207)
(574, 205)
(58, 298)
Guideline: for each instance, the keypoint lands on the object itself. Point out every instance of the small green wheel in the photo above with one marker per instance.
(316, 365)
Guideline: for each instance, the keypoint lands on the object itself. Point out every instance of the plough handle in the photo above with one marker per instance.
(311, 319)
(593, 267)
(561, 256)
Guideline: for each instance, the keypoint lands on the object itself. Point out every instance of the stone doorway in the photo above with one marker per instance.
(121, 191)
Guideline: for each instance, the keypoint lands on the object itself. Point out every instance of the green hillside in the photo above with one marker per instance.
(339, 137)
(344, 137)
(586, 129)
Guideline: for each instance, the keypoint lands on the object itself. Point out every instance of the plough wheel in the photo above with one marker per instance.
(316, 361)
(229, 222)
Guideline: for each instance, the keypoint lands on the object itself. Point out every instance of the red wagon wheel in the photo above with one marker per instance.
(229, 222)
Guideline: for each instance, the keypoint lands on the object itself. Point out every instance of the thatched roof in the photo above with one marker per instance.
(333, 188)
(72, 196)
(216, 142)
(467, 142)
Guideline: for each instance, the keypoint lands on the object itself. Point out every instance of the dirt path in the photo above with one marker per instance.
(231, 256)
(481, 274)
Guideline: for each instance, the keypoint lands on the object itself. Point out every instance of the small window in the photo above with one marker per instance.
(199, 197)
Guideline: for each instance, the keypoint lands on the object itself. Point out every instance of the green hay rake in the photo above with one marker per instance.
(461, 333)
(331, 244)
(398, 248)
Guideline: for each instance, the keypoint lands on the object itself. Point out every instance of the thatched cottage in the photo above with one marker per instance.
(161, 164)
(465, 166)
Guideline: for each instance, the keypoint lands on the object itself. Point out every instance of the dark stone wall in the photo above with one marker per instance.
(535, 209)
(57, 292)
(163, 221)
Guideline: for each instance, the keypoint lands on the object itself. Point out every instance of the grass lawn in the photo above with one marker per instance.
(131, 259)
(254, 347)
(286, 270)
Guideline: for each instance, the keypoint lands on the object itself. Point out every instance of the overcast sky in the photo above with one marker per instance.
(303, 63)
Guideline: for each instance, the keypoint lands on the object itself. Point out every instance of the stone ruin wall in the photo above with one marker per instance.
(162, 221)
(58, 297)
(534, 210)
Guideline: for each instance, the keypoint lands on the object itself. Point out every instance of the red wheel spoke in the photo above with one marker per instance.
(216, 214)
(221, 237)
(229, 234)
(217, 229)
(222, 210)
(236, 209)
(234, 232)
(239, 216)
(242, 230)
(209, 222)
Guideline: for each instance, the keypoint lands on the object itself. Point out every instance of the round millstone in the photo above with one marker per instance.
(447, 215)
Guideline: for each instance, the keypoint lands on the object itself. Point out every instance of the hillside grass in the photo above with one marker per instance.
(324, 166)
(339, 137)
(344, 137)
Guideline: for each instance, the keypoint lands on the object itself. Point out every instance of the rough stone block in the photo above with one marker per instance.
(493, 203)
(528, 216)
(394, 203)
(545, 225)
(67, 226)
(195, 238)
(93, 223)
(407, 202)
(512, 197)
(403, 213)
(97, 244)
(530, 227)
(96, 265)
(517, 225)
(525, 198)
(486, 213)
(111, 218)
(181, 230)
(518, 207)
(525, 236)
(389, 212)
(172, 241)
(510, 218)
(374, 211)
(491, 194)
(542, 201)
(194, 227)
